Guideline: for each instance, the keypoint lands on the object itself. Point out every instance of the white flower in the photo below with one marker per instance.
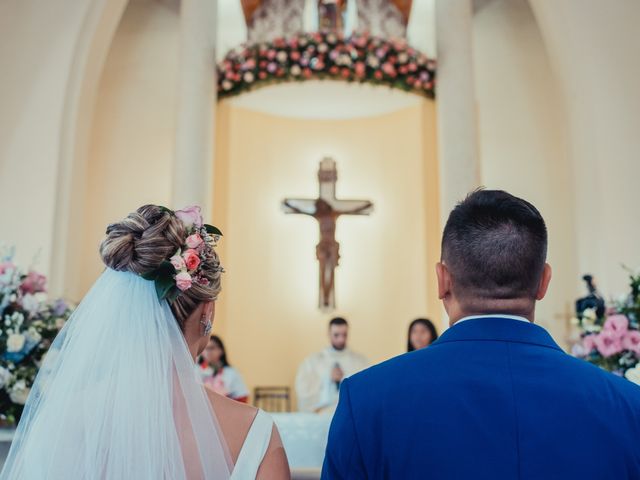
(296, 70)
(59, 323)
(34, 335)
(323, 48)
(15, 342)
(5, 376)
(281, 56)
(372, 61)
(226, 85)
(633, 374)
(589, 313)
(248, 77)
(403, 58)
(19, 392)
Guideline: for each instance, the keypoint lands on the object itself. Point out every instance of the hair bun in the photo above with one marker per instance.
(142, 241)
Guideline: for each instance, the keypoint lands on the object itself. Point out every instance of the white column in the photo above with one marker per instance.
(193, 165)
(457, 120)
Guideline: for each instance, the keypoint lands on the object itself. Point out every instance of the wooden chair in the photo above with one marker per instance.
(272, 399)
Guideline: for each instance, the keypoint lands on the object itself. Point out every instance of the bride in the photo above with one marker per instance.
(117, 396)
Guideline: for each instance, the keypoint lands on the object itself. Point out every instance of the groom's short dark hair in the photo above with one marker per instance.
(495, 246)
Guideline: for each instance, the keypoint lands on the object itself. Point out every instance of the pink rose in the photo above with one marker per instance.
(618, 325)
(191, 259)
(177, 262)
(194, 241)
(183, 281)
(34, 283)
(190, 216)
(631, 341)
(608, 343)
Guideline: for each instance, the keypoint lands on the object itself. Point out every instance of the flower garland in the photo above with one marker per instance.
(610, 337)
(359, 58)
(178, 273)
(29, 323)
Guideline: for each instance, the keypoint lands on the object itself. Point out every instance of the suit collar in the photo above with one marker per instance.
(498, 329)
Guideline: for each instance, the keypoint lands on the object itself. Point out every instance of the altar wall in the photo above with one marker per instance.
(268, 314)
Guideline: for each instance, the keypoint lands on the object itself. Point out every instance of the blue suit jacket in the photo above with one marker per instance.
(493, 398)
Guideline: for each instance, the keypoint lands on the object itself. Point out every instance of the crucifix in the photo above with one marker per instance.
(326, 209)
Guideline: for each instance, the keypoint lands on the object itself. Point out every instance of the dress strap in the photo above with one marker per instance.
(254, 448)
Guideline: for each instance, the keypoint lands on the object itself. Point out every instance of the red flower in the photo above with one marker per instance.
(345, 73)
(333, 70)
(307, 73)
(262, 75)
(360, 69)
(403, 70)
(295, 56)
(378, 75)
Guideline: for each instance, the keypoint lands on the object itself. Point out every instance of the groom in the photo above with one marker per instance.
(495, 397)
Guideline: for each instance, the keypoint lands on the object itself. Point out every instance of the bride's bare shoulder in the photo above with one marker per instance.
(235, 420)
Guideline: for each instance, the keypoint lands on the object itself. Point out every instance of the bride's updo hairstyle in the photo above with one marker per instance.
(150, 236)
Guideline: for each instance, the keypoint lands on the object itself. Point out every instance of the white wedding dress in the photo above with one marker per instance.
(254, 448)
(117, 397)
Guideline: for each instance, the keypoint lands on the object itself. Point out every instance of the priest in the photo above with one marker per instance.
(319, 376)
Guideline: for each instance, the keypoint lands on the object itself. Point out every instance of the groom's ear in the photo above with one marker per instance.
(544, 282)
(444, 280)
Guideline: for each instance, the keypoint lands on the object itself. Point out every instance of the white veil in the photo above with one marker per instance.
(117, 397)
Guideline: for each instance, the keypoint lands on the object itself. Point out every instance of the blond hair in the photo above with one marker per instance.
(146, 238)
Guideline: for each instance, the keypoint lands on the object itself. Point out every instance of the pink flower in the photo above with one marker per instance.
(190, 216)
(191, 259)
(589, 343)
(618, 325)
(608, 343)
(183, 281)
(34, 283)
(177, 262)
(631, 341)
(6, 266)
(360, 69)
(194, 241)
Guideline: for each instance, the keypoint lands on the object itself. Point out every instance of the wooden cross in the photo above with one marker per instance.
(326, 209)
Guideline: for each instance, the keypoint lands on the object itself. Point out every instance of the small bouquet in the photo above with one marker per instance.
(610, 336)
(29, 322)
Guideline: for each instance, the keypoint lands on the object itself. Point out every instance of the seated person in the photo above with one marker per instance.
(422, 333)
(218, 375)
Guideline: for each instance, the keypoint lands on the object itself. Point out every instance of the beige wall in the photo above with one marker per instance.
(523, 145)
(133, 133)
(268, 312)
(593, 46)
(39, 42)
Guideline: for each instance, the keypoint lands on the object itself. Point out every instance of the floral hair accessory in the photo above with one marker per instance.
(184, 268)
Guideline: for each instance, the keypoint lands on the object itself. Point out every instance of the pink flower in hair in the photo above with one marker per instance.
(178, 262)
(194, 241)
(191, 259)
(617, 325)
(631, 341)
(183, 281)
(190, 216)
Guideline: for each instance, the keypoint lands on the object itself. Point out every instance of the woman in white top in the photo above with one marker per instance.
(117, 397)
(218, 375)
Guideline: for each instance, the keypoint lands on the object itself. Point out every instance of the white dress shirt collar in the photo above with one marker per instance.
(475, 317)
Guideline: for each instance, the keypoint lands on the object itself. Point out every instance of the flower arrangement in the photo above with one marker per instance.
(178, 273)
(325, 55)
(28, 324)
(610, 337)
